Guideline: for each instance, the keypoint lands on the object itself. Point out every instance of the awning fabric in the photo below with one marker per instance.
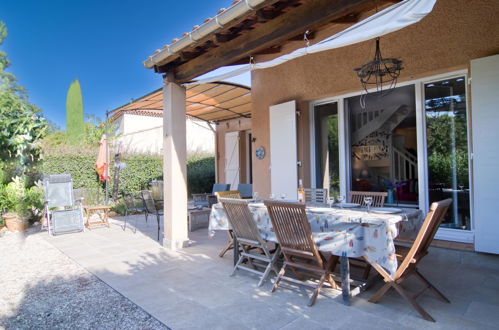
(213, 102)
(389, 20)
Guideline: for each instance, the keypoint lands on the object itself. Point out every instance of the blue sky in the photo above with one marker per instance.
(102, 43)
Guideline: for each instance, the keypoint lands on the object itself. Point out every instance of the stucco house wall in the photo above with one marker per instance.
(144, 135)
(446, 40)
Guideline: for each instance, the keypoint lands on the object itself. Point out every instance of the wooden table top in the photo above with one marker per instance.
(97, 207)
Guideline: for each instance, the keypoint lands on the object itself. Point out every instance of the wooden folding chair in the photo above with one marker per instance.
(247, 235)
(377, 196)
(410, 259)
(228, 194)
(301, 254)
(230, 243)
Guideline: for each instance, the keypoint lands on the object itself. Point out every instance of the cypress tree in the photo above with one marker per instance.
(75, 125)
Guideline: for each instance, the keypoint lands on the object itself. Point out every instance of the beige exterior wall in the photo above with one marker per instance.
(140, 134)
(446, 40)
(144, 135)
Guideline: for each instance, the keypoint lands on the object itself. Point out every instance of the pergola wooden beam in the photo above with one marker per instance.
(277, 31)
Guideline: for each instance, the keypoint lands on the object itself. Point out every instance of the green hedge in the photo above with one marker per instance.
(80, 167)
(140, 170)
(138, 173)
(200, 175)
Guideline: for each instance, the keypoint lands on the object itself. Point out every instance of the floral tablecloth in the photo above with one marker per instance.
(353, 232)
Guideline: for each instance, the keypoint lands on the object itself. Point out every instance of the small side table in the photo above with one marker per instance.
(101, 210)
(198, 218)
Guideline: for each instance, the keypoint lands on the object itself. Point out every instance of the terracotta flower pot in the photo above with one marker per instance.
(13, 222)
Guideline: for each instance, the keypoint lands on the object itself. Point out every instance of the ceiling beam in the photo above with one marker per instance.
(348, 19)
(310, 15)
(300, 37)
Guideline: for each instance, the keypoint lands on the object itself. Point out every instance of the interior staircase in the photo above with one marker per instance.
(402, 164)
(370, 121)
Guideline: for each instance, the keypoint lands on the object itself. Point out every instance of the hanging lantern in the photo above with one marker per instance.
(381, 73)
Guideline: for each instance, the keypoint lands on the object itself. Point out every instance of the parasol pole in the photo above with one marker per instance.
(107, 160)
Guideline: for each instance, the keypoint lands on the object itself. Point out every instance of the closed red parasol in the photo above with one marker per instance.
(101, 163)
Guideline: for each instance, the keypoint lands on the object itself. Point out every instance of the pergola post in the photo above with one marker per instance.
(174, 166)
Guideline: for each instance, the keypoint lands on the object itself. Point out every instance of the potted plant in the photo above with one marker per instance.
(20, 203)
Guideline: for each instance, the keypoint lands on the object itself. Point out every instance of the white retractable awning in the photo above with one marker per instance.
(389, 20)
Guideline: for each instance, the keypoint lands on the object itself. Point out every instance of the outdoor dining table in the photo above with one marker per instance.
(345, 232)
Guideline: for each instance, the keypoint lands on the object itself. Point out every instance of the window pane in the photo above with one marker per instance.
(447, 140)
(384, 144)
(326, 147)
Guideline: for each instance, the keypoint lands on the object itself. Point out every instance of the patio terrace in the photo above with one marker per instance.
(192, 288)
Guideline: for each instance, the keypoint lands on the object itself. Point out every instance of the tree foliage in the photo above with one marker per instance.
(21, 123)
(75, 125)
(8, 82)
(447, 148)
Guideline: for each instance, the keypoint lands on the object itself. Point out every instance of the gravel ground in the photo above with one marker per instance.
(41, 288)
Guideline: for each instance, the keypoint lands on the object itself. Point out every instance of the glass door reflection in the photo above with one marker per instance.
(447, 149)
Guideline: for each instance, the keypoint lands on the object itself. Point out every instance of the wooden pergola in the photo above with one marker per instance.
(211, 102)
(260, 32)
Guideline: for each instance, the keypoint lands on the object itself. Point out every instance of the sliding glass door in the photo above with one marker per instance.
(411, 142)
(383, 144)
(447, 148)
(327, 158)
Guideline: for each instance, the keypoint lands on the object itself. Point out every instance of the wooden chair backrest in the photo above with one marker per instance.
(241, 219)
(292, 229)
(358, 197)
(425, 236)
(228, 194)
(315, 195)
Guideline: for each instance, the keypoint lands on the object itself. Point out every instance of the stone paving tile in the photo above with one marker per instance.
(255, 314)
(483, 313)
(443, 321)
(192, 288)
(191, 315)
(305, 323)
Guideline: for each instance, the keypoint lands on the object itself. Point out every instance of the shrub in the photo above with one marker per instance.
(81, 168)
(200, 175)
(140, 170)
(26, 202)
(119, 208)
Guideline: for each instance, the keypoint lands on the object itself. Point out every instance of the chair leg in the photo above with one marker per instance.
(266, 274)
(279, 278)
(157, 216)
(330, 265)
(135, 229)
(270, 266)
(246, 250)
(317, 290)
(381, 292)
(413, 302)
(126, 217)
(367, 270)
(274, 259)
(146, 215)
(241, 258)
(431, 286)
(228, 246)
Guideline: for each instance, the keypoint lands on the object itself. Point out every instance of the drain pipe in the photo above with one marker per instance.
(221, 20)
